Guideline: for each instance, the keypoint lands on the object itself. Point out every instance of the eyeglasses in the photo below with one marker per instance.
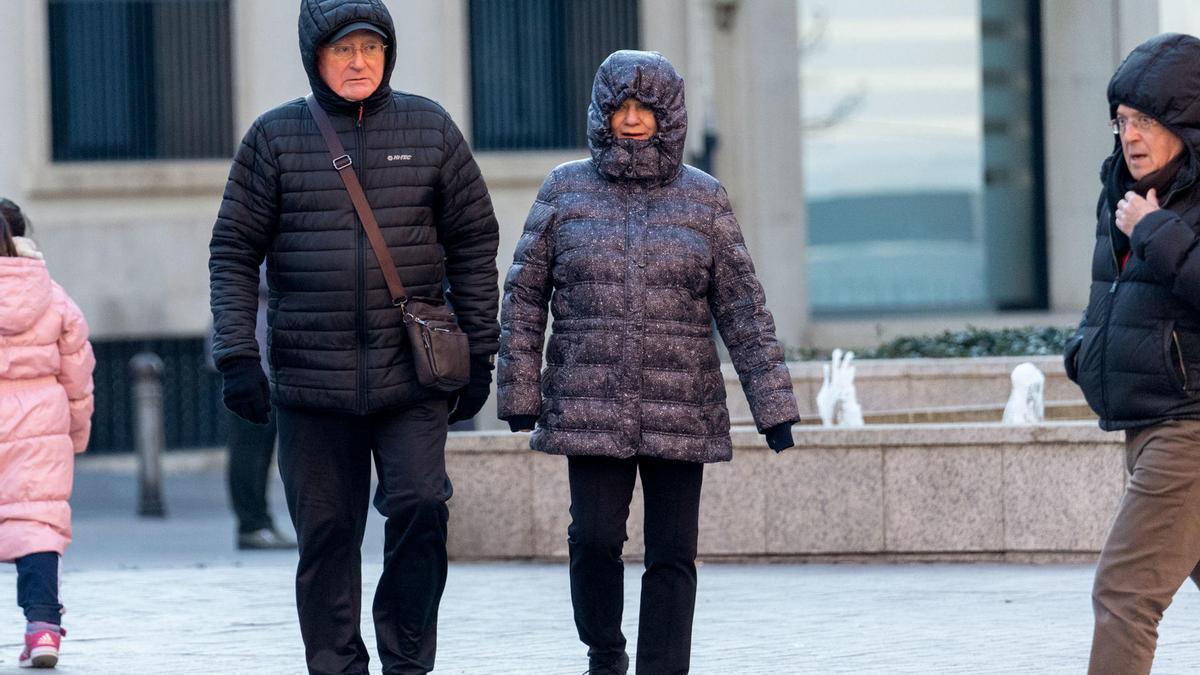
(369, 50)
(1139, 122)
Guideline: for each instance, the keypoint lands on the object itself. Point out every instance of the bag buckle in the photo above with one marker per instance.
(342, 162)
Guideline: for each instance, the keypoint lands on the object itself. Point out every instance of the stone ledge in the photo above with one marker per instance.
(922, 491)
(890, 384)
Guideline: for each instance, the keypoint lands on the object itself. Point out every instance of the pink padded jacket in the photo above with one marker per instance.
(46, 405)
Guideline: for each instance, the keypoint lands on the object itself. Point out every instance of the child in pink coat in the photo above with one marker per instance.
(46, 367)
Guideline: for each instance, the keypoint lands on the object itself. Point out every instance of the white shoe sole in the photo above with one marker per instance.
(41, 657)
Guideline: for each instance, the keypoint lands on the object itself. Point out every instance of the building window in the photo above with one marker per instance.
(532, 64)
(922, 151)
(140, 79)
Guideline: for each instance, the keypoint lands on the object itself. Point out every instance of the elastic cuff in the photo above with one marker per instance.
(45, 614)
(521, 422)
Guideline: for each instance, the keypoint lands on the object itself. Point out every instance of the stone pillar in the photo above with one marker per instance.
(13, 79)
(1081, 47)
(1179, 16)
(757, 114)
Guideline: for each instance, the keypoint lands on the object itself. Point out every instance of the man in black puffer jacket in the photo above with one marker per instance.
(1136, 354)
(341, 370)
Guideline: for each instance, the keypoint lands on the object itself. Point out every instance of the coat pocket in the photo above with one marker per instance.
(1070, 356)
(1184, 350)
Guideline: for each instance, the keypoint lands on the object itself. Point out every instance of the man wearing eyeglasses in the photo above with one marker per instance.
(342, 375)
(1136, 355)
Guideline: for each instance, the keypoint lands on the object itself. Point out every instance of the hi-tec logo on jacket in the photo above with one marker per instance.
(399, 158)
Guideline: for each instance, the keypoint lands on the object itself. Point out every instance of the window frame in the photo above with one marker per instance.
(44, 177)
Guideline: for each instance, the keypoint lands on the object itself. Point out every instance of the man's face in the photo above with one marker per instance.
(353, 66)
(633, 120)
(1147, 145)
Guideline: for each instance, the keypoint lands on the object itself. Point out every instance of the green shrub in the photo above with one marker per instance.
(1029, 341)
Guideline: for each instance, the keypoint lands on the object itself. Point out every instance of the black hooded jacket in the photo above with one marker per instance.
(634, 254)
(335, 340)
(1136, 355)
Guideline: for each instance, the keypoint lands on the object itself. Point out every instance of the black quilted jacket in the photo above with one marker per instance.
(1136, 355)
(635, 254)
(335, 341)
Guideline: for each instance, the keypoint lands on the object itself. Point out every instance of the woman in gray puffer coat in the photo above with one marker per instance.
(636, 253)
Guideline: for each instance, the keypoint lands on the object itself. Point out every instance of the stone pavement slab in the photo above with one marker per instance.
(173, 596)
(515, 619)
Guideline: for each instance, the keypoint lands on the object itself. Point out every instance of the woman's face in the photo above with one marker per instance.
(633, 120)
(1147, 145)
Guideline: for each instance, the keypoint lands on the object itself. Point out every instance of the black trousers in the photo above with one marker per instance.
(250, 449)
(601, 488)
(325, 461)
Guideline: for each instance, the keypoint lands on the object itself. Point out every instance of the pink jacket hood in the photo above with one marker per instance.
(25, 293)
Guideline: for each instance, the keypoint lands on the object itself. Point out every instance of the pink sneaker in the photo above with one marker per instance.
(41, 649)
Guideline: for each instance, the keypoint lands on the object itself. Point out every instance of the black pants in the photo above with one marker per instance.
(37, 587)
(601, 489)
(325, 460)
(250, 449)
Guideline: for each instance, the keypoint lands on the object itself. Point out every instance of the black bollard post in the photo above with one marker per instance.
(147, 371)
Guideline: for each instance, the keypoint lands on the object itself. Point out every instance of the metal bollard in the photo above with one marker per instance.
(147, 371)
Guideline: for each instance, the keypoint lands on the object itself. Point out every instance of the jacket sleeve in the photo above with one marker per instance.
(524, 313)
(738, 303)
(1169, 247)
(246, 223)
(468, 232)
(76, 364)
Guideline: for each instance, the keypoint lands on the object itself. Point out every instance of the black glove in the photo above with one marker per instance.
(779, 437)
(246, 391)
(521, 422)
(466, 402)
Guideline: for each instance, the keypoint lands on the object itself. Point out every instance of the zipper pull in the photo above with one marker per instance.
(1113, 289)
(360, 114)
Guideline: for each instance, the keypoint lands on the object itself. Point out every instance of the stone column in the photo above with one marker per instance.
(1081, 47)
(757, 111)
(1179, 16)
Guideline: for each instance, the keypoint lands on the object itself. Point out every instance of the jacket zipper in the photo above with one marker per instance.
(1112, 296)
(360, 298)
(1179, 354)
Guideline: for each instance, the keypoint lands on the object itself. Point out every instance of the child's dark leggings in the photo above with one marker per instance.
(37, 587)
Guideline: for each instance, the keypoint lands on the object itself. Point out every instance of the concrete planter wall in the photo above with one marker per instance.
(905, 491)
(891, 384)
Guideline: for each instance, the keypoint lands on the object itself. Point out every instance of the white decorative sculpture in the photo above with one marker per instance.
(837, 402)
(1026, 403)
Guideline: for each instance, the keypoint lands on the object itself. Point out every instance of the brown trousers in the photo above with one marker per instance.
(1152, 548)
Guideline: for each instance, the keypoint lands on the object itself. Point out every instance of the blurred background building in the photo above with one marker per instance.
(896, 167)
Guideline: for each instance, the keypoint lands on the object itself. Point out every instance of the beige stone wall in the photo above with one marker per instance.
(129, 239)
(915, 492)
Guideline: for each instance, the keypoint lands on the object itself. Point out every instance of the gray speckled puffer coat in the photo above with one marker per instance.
(635, 254)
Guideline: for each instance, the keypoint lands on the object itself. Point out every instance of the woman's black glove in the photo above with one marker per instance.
(245, 390)
(467, 402)
(521, 422)
(779, 437)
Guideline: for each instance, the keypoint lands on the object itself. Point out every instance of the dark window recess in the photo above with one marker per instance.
(191, 394)
(140, 79)
(1014, 175)
(532, 64)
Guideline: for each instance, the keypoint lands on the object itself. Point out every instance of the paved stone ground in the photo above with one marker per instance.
(173, 596)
